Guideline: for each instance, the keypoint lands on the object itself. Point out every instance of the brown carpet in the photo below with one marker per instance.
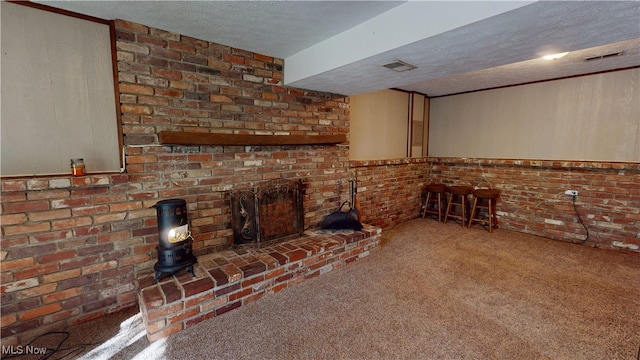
(433, 291)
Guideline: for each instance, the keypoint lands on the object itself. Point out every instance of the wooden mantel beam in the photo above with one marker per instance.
(217, 139)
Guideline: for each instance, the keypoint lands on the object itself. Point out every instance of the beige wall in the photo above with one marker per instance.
(58, 99)
(593, 117)
(379, 125)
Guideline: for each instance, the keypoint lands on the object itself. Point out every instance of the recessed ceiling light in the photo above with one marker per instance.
(554, 56)
(399, 66)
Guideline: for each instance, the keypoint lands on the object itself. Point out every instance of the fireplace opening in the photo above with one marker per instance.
(268, 213)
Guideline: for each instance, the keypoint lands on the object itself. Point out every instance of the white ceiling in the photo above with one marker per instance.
(339, 46)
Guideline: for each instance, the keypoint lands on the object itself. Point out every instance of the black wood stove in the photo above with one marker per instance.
(175, 249)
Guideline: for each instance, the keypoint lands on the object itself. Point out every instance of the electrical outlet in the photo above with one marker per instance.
(571, 192)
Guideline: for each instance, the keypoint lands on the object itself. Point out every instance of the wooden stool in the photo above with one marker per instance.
(434, 195)
(458, 198)
(489, 196)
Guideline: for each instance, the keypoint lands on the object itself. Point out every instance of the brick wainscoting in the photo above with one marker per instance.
(532, 198)
(389, 190)
(229, 279)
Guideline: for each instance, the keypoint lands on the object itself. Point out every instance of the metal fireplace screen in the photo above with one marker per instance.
(266, 214)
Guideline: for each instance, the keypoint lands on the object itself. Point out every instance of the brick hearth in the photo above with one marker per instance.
(228, 279)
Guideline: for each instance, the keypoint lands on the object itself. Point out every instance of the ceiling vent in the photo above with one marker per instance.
(606, 56)
(399, 66)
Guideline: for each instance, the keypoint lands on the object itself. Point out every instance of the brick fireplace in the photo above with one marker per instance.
(271, 252)
(73, 247)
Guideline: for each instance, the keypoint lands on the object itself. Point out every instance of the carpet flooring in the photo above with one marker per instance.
(433, 291)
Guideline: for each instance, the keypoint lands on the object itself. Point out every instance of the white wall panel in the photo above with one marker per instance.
(58, 99)
(593, 117)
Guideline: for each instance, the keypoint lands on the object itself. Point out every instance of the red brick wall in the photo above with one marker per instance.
(389, 190)
(72, 247)
(533, 201)
(532, 195)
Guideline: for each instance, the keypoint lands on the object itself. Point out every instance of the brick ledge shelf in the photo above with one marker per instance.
(228, 279)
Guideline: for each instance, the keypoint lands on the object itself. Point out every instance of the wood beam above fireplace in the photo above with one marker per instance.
(196, 138)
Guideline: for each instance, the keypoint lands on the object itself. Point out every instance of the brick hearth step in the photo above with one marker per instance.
(228, 279)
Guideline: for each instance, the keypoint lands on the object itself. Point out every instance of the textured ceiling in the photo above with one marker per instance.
(500, 50)
(275, 28)
(456, 46)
